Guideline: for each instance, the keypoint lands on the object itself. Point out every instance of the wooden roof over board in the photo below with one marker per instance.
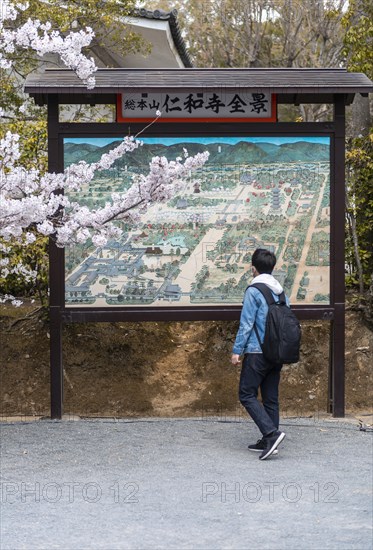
(291, 85)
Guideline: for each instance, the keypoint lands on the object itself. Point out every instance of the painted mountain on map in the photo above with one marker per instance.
(242, 152)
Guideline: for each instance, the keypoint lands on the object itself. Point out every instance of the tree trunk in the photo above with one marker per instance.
(361, 119)
(359, 268)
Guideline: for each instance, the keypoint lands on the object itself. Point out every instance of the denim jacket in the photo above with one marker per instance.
(254, 309)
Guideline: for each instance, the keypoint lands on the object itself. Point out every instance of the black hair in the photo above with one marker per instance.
(263, 260)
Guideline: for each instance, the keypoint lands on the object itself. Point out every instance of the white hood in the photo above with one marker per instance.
(270, 281)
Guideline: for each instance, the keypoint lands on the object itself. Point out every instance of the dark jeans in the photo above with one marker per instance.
(257, 373)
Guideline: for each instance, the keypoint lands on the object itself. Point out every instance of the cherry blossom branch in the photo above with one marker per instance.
(31, 201)
(164, 179)
(40, 38)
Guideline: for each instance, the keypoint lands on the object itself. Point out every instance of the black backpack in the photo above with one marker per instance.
(282, 333)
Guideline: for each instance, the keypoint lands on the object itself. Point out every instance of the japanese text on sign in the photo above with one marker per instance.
(185, 105)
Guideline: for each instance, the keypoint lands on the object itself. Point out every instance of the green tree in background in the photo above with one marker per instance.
(358, 41)
(358, 51)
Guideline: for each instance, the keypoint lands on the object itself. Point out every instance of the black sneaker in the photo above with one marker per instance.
(271, 444)
(259, 446)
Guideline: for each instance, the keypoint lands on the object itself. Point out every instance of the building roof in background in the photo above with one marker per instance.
(171, 17)
(159, 28)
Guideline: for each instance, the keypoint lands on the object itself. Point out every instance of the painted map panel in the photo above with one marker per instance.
(268, 192)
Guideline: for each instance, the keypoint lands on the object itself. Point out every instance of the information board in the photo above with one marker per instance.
(268, 192)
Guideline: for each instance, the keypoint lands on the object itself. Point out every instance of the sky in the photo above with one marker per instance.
(100, 142)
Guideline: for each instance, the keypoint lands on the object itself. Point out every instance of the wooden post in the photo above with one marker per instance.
(337, 247)
(56, 277)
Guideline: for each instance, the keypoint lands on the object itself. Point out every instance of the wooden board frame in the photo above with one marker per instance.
(333, 313)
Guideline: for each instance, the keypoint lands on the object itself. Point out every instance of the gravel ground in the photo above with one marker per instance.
(184, 483)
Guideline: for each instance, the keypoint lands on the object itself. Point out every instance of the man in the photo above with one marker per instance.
(257, 372)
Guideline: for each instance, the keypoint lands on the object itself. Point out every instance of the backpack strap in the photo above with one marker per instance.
(268, 294)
